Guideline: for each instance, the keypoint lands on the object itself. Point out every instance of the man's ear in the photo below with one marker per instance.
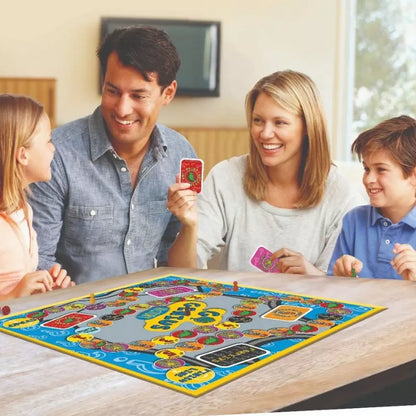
(169, 92)
(22, 156)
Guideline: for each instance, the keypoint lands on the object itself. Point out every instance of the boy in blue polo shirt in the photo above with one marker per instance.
(378, 240)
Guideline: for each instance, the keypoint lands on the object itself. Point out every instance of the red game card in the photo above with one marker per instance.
(192, 172)
(69, 320)
(261, 260)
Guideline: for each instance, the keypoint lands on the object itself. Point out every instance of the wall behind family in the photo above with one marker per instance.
(49, 38)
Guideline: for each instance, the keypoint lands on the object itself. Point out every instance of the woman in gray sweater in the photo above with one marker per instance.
(284, 195)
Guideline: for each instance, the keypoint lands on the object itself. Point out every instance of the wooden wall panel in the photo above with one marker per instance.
(41, 89)
(216, 144)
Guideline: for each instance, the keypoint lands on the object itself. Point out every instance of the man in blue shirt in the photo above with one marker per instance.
(104, 211)
(379, 240)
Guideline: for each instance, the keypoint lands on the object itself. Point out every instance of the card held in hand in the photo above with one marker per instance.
(261, 260)
(192, 172)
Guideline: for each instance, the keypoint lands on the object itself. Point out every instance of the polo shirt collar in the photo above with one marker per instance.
(409, 219)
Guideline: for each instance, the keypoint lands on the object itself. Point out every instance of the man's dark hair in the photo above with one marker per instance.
(146, 49)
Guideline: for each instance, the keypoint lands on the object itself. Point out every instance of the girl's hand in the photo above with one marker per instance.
(37, 282)
(345, 265)
(293, 262)
(60, 278)
(405, 261)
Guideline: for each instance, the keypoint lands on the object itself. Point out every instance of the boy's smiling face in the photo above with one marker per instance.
(385, 183)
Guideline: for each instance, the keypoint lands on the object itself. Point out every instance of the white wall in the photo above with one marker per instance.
(50, 38)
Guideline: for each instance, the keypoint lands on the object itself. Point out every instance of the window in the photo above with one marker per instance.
(380, 72)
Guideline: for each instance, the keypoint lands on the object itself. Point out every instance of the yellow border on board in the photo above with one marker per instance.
(214, 384)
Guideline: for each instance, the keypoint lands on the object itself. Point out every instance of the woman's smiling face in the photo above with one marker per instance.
(277, 133)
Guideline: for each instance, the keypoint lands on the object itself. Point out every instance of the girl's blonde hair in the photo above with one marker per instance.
(296, 93)
(19, 116)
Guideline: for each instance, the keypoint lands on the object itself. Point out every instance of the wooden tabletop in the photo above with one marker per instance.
(365, 356)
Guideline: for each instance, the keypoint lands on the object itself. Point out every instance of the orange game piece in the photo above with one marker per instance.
(235, 287)
(92, 299)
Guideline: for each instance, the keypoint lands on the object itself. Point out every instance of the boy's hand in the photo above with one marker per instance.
(405, 261)
(345, 264)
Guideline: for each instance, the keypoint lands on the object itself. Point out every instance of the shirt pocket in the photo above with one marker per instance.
(157, 218)
(89, 229)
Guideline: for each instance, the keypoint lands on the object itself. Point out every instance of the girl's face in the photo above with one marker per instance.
(37, 157)
(386, 186)
(277, 133)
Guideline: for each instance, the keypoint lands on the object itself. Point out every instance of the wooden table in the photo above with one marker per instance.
(362, 358)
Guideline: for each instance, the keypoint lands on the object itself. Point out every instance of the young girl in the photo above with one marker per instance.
(26, 152)
(378, 240)
(284, 195)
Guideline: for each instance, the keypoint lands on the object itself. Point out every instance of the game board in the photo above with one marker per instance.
(189, 334)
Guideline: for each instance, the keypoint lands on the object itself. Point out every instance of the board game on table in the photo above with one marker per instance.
(186, 333)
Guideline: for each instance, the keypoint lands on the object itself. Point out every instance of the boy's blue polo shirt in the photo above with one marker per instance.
(370, 237)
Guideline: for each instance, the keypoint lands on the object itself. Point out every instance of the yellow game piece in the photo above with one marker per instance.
(92, 299)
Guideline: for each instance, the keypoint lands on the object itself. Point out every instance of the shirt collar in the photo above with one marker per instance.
(409, 219)
(100, 142)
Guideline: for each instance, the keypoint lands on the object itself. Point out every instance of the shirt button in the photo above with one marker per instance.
(123, 169)
(387, 241)
(385, 223)
(132, 207)
(128, 242)
(93, 212)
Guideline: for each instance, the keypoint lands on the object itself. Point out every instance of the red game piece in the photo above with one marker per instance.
(5, 310)
(235, 287)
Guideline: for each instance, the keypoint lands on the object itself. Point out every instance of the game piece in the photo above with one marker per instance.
(353, 273)
(231, 329)
(5, 310)
(261, 260)
(192, 172)
(92, 299)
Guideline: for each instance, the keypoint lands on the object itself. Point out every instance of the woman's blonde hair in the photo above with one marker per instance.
(296, 93)
(19, 116)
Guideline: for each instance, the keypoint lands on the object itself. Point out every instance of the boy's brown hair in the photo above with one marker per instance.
(396, 135)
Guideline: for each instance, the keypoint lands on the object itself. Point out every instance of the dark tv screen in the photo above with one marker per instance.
(198, 45)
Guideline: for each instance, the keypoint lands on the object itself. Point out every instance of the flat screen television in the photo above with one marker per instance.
(198, 45)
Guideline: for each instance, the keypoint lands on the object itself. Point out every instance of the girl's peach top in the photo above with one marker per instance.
(17, 255)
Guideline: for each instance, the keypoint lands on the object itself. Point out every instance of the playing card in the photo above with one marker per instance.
(192, 172)
(261, 260)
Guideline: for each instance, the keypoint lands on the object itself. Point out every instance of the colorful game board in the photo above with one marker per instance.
(188, 334)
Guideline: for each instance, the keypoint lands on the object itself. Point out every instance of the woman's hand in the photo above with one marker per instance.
(294, 262)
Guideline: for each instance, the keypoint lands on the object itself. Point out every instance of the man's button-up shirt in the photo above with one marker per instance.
(90, 219)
